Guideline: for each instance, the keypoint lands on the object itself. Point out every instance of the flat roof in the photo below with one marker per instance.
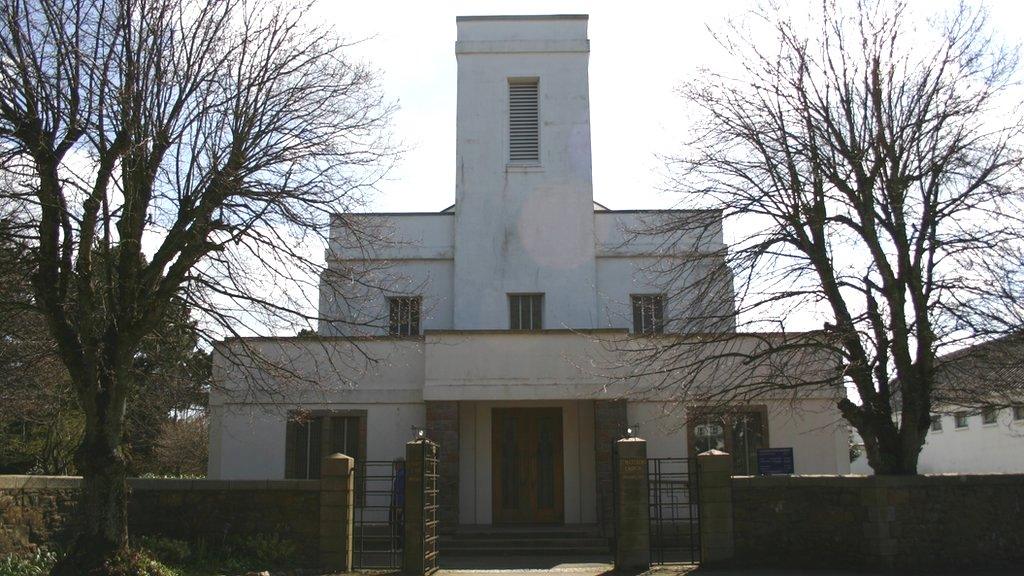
(523, 17)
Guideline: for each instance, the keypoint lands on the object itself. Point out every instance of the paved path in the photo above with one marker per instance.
(597, 569)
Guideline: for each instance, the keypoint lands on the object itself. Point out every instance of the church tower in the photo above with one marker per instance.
(524, 189)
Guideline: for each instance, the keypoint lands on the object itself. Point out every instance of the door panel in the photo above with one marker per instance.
(527, 470)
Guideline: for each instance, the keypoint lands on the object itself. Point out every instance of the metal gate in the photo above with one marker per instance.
(674, 512)
(379, 515)
(430, 507)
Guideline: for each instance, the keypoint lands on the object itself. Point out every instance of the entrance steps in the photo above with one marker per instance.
(525, 540)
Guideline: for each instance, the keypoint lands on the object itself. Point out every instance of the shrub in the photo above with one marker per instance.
(136, 563)
(265, 549)
(38, 564)
(166, 550)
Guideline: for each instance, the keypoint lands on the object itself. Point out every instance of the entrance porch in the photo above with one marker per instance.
(542, 462)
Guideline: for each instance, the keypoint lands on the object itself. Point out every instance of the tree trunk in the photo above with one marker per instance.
(890, 457)
(102, 511)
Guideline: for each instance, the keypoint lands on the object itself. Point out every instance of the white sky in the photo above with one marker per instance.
(640, 51)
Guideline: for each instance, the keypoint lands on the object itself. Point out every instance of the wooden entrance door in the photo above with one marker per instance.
(526, 465)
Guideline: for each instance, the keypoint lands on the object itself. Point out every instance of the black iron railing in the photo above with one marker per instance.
(379, 515)
(674, 512)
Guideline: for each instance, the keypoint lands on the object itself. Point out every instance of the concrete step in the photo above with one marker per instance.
(525, 541)
(473, 551)
(560, 543)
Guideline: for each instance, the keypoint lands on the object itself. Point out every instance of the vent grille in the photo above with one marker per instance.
(523, 122)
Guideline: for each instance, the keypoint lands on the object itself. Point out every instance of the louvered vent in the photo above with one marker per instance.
(523, 122)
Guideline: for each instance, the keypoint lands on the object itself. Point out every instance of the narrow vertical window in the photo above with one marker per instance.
(936, 423)
(404, 316)
(526, 311)
(648, 313)
(523, 122)
(302, 447)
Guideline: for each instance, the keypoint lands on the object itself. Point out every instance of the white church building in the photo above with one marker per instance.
(493, 329)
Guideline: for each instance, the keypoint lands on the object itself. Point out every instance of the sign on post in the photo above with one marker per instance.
(774, 461)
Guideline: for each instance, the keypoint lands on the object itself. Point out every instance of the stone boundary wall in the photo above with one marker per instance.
(913, 522)
(36, 510)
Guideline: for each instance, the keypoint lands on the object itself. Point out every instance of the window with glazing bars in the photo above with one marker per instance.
(648, 313)
(526, 311)
(404, 316)
(309, 438)
(523, 122)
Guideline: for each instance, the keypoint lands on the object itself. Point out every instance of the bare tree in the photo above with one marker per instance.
(172, 151)
(869, 164)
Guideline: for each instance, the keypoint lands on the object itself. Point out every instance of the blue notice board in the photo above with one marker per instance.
(774, 461)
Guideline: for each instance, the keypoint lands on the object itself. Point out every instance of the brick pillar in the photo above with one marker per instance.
(442, 427)
(633, 533)
(412, 545)
(336, 512)
(609, 426)
(715, 493)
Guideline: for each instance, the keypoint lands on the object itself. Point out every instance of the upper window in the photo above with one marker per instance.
(960, 419)
(648, 313)
(523, 122)
(404, 316)
(526, 311)
(989, 416)
(1018, 412)
(936, 423)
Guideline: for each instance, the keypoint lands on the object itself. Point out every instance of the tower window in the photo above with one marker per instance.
(526, 311)
(404, 316)
(648, 313)
(523, 122)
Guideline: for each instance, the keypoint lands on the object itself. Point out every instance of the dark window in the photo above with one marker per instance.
(523, 122)
(648, 313)
(404, 316)
(309, 438)
(739, 432)
(989, 415)
(936, 423)
(960, 420)
(526, 311)
(1018, 412)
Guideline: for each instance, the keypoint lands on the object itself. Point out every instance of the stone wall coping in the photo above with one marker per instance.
(854, 481)
(29, 482)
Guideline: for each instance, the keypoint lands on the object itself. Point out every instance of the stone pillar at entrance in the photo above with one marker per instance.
(412, 544)
(442, 427)
(715, 482)
(337, 479)
(632, 514)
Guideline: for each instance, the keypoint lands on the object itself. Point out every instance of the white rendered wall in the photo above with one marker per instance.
(980, 448)
(476, 480)
(523, 228)
(251, 438)
(412, 257)
(364, 309)
(249, 407)
(812, 427)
